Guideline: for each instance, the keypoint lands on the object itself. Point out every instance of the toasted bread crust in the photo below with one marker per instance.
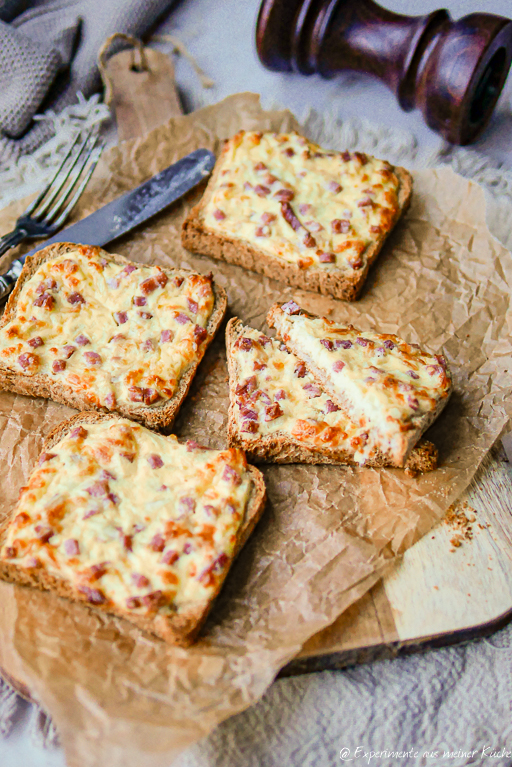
(281, 447)
(179, 629)
(196, 236)
(409, 440)
(42, 385)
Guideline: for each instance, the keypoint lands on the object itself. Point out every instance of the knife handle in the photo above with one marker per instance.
(8, 280)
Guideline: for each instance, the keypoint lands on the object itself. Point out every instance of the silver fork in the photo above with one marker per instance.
(46, 214)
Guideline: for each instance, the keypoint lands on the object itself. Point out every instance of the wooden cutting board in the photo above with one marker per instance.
(456, 582)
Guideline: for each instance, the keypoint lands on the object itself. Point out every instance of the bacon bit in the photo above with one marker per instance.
(43, 533)
(413, 403)
(257, 365)
(435, 369)
(157, 542)
(200, 334)
(94, 596)
(330, 407)
(289, 152)
(230, 475)
(290, 307)
(68, 350)
(97, 571)
(363, 159)
(362, 341)
(300, 370)
(110, 400)
(152, 283)
(345, 156)
(309, 241)
(327, 258)
(35, 342)
(245, 344)
(247, 185)
(405, 386)
(267, 218)
(191, 444)
(314, 226)
(132, 603)
(365, 202)
(217, 565)
(413, 374)
(338, 366)
(284, 196)
(170, 556)
(273, 411)
(187, 548)
(340, 226)
(264, 340)
(262, 396)
(120, 317)
(10, 552)
(145, 315)
(92, 358)
(250, 427)
(75, 298)
(82, 340)
(113, 498)
(334, 187)
(71, 547)
(166, 336)
(441, 361)
(148, 345)
(46, 457)
(140, 580)
(313, 390)
(128, 269)
(58, 366)
(46, 301)
(327, 343)
(375, 229)
(247, 413)
(219, 214)
(192, 305)
(262, 231)
(152, 601)
(262, 191)
(98, 489)
(129, 456)
(150, 396)
(182, 318)
(247, 387)
(281, 394)
(155, 461)
(28, 360)
(48, 284)
(370, 380)
(139, 300)
(187, 504)
(260, 166)
(79, 433)
(178, 281)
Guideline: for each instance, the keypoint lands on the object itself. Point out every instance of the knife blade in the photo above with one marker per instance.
(126, 212)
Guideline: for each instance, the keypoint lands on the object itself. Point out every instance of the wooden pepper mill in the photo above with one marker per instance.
(453, 71)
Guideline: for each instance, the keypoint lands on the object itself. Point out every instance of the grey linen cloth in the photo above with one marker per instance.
(48, 53)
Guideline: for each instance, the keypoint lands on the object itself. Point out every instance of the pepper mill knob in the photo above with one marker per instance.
(453, 71)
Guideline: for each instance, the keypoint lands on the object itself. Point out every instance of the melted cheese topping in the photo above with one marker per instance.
(131, 518)
(298, 202)
(114, 334)
(386, 384)
(276, 394)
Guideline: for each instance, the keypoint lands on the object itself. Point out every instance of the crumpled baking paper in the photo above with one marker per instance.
(119, 696)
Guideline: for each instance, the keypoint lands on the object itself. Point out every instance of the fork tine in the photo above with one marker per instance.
(67, 210)
(41, 211)
(33, 205)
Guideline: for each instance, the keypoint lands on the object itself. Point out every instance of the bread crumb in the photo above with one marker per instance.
(457, 519)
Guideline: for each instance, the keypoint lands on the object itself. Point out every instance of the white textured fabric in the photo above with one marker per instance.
(457, 699)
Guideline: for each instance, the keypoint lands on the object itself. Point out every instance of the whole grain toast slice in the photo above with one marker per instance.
(180, 628)
(160, 415)
(394, 389)
(345, 283)
(328, 436)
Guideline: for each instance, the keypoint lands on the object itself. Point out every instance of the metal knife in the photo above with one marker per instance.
(128, 211)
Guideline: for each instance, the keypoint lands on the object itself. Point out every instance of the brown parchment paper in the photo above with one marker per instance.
(120, 697)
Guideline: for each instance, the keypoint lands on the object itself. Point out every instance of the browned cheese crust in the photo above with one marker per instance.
(181, 629)
(42, 385)
(197, 237)
(282, 447)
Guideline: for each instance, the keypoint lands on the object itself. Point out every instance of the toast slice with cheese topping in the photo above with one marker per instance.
(284, 207)
(132, 523)
(392, 389)
(98, 332)
(279, 414)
